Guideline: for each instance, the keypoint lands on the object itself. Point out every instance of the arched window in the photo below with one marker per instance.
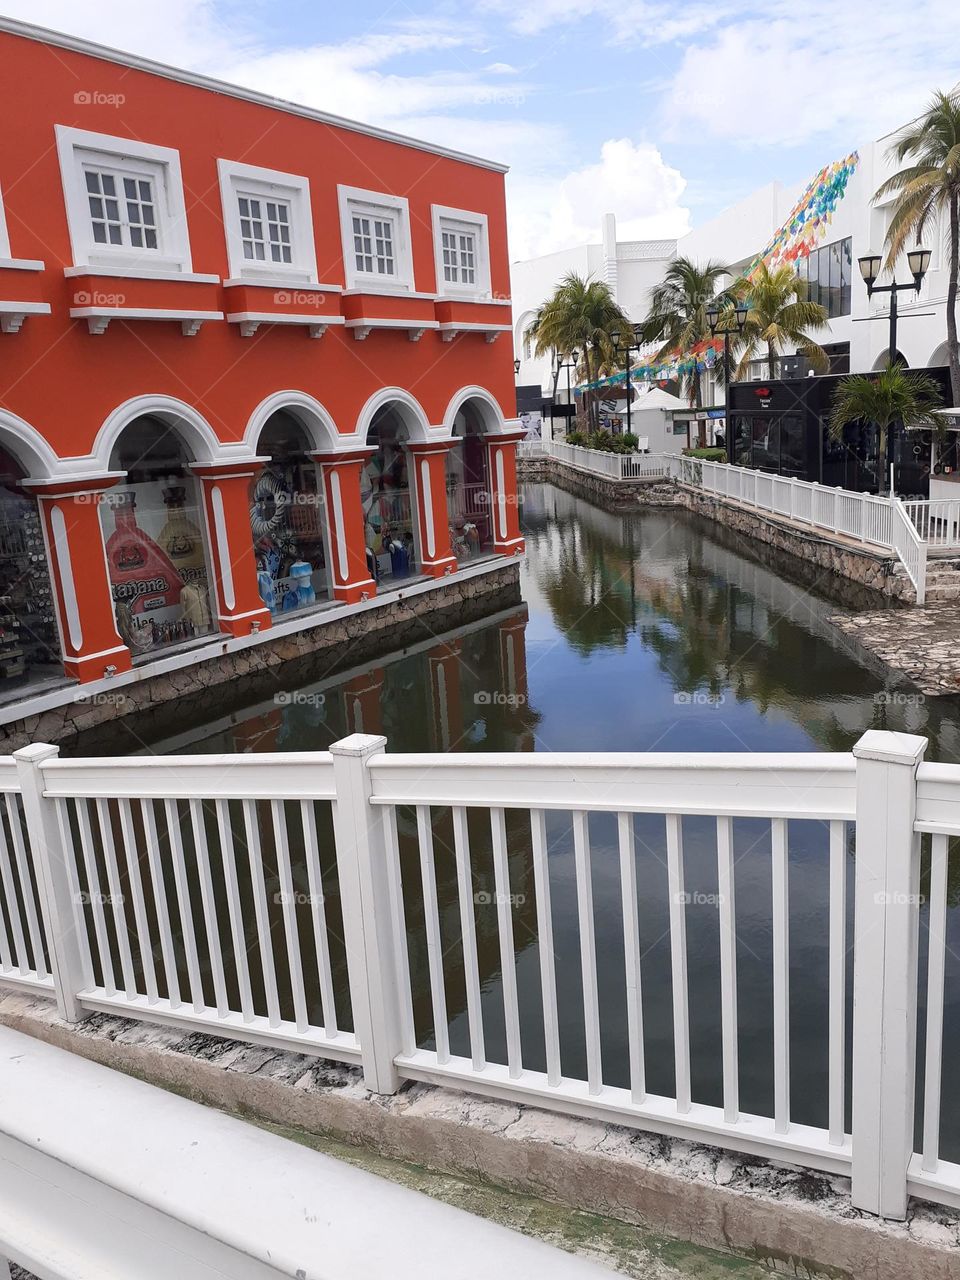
(155, 541)
(386, 499)
(468, 485)
(287, 520)
(29, 647)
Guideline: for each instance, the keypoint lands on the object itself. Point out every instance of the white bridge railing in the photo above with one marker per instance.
(367, 907)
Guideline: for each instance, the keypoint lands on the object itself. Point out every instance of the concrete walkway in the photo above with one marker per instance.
(923, 644)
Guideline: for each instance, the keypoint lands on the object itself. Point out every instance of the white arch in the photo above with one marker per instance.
(519, 334)
(410, 410)
(940, 357)
(490, 411)
(883, 359)
(313, 417)
(193, 429)
(28, 446)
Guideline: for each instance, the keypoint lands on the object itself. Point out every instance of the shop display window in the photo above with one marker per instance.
(29, 648)
(287, 521)
(156, 556)
(468, 488)
(387, 501)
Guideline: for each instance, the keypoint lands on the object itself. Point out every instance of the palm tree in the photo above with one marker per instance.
(893, 395)
(677, 319)
(927, 191)
(779, 315)
(581, 315)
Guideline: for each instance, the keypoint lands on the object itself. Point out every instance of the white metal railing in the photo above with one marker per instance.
(102, 1175)
(936, 521)
(196, 891)
(618, 466)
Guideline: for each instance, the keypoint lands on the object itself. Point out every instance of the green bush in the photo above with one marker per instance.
(576, 437)
(708, 455)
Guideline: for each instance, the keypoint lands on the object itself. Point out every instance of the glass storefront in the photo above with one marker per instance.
(468, 487)
(770, 442)
(387, 501)
(287, 520)
(29, 647)
(156, 555)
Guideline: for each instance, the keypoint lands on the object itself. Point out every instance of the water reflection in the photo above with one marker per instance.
(650, 631)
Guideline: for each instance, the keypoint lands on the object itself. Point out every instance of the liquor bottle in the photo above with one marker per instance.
(142, 575)
(181, 539)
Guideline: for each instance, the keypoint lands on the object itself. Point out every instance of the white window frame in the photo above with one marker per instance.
(355, 200)
(78, 147)
(458, 221)
(252, 180)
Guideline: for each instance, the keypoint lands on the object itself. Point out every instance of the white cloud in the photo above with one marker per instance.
(630, 179)
(844, 72)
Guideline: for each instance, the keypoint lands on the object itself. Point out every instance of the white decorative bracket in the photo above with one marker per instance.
(492, 337)
(415, 334)
(190, 328)
(361, 332)
(13, 314)
(448, 335)
(98, 324)
(317, 330)
(12, 322)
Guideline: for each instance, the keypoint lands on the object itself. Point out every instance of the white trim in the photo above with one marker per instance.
(196, 433)
(61, 40)
(223, 547)
(336, 501)
(98, 318)
(250, 321)
(278, 282)
(358, 200)
(415, 328)
(140, 273)
(384, 292)
(174, 256)
(20, 264)
(68, 586)
(13, 314)
(237, 179)
(28, 446)
(501, 495)
(492, 410)
(103, 653)
(412, 413)
(4, 237)
(426, 499)
(450, 329)
(316, 420)
(444, 218)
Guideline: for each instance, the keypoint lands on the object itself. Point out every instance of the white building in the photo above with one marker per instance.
(858, 335)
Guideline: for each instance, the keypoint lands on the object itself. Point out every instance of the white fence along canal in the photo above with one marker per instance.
(292, 899)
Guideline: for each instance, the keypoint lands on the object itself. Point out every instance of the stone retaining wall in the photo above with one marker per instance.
(815, 553)
(166, 702)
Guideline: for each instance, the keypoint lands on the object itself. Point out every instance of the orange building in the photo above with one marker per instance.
(250, 360)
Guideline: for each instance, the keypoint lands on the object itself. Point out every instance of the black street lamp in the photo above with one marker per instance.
(623, 343)
(561, 364)
(918, 260)
(717, 316)
(516, 368)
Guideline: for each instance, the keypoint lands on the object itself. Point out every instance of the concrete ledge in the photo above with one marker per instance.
(615, 495)
(794, 1222)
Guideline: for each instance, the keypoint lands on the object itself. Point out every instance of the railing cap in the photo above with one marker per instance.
(890, 747)
(36, 752)
(359, 744)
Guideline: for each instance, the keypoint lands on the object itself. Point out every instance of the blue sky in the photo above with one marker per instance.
(662, 113)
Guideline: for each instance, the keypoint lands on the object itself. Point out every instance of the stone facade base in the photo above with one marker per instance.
(794, 1222)
(614, 495)
(211, 684)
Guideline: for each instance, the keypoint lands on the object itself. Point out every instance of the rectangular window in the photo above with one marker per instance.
(265, 229)
(459, 257)
(123, 208)
(373, 245)
(828, 274)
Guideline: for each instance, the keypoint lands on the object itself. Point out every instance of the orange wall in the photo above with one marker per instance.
(65, 381)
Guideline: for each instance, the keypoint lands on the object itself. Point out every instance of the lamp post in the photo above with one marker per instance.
(623, 344)
(568, 365)
(918, 260)
(516, 368)
(715, 315)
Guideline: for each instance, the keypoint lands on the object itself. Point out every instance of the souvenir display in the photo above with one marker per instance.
(387, 502)
(28, 633)
(286, 521)
(468, 492)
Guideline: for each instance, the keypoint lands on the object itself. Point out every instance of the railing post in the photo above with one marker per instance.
(365, 898)
(56, 883)
(885, 969)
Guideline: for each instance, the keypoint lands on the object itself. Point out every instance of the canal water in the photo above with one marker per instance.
(653, 631)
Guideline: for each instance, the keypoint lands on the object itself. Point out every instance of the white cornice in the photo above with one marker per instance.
(63, 41)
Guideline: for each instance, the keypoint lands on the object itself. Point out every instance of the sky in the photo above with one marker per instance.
(661, 113)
